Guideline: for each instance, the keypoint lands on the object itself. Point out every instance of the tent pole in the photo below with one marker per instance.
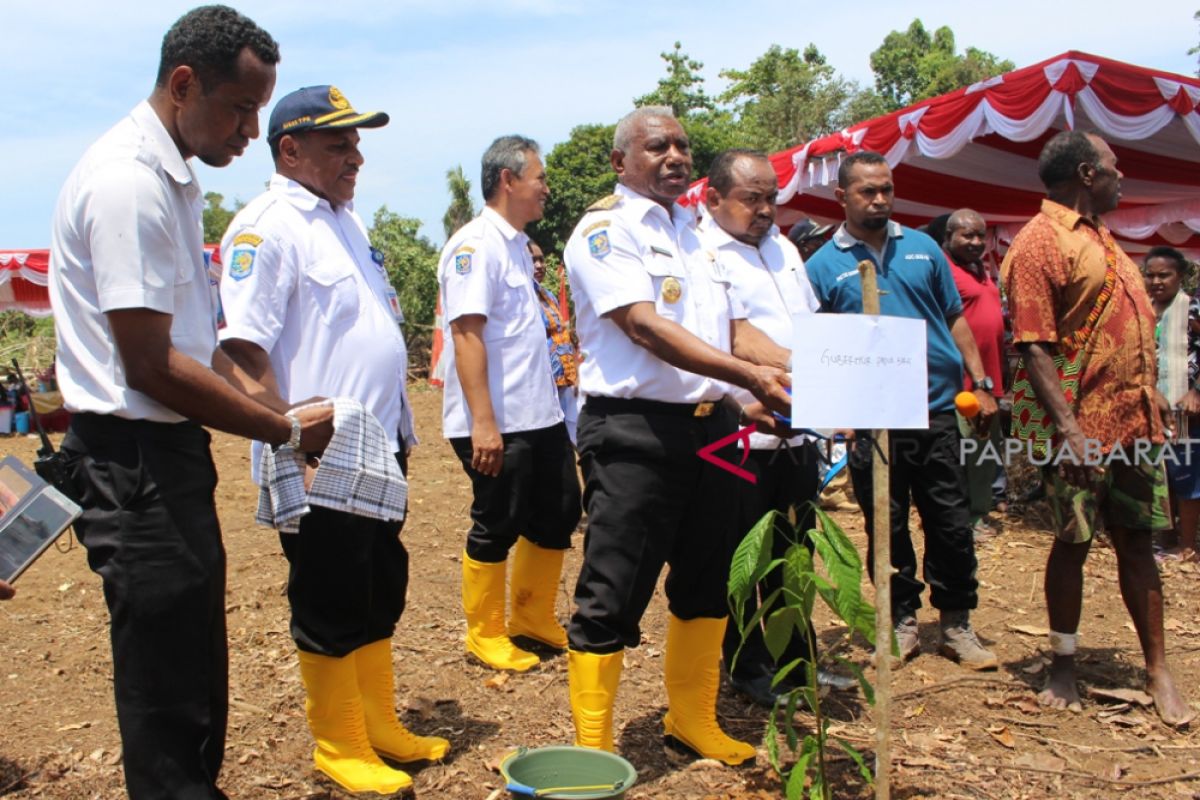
(881, 490)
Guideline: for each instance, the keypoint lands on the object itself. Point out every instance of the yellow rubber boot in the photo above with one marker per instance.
(593, 679)
(384, 730)
(335, 717)
(691, 667)
(535, 575)
(483, 603)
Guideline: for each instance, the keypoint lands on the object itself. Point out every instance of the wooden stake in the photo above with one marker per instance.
(881, 483)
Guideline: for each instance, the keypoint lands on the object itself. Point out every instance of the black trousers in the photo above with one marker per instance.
(651, 500)
(924, 466)
(347, 579)
(536, 494)
(784, 482)
(150, 527)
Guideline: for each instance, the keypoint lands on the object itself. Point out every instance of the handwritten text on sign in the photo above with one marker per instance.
(859, 371)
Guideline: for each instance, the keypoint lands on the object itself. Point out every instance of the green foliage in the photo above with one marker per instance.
(216, 217)
(28, 339)
(411, 261)
(579, 173)
(915, 65)
(786, 98)
(682, 88)
(833, 571)
(462, 207)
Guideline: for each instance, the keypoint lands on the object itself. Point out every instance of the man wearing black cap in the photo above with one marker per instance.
(808, 237)
(310, 312)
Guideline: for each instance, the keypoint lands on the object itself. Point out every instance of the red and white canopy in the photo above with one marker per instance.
(23, 278)
(24, 275)
(977, 147)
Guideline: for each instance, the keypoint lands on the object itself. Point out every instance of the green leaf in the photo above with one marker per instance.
(798, 577)
(867, 689)
(843, 594)
(771, 740)
(779, 629)
(863, 769)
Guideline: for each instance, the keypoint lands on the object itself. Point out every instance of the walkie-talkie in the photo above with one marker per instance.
(50, 465)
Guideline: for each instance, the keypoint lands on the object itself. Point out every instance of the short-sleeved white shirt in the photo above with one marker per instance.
(127, 235)
(302, 282)
(486, 269)
(633, 251)
(769, 282)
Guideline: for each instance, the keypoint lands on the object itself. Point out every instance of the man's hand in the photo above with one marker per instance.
(487, 448)
(764, 421)
(987, 411)
(6, 591)
(1165, 413)
(1076, 471)
(1190, 404)
(316, 427)
(770, 385)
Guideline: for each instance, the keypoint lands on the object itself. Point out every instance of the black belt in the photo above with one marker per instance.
(635, 405)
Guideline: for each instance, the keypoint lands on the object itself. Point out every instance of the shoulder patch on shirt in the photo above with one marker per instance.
(598, 244)
(604, 223)
(462, 261)
(605, 203)
(241, 263)
(247, 238)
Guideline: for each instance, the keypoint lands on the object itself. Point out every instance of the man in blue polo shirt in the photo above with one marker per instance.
(914, 281)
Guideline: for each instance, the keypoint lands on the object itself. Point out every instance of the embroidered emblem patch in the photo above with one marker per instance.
(247, 238)
(598, 244)
(462, 263)
(241, 263)
(337, 99)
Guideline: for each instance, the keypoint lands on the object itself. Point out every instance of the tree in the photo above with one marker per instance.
(914, 65)
(785, 98)
(462, 207)
(578, 173)
(216, 217)
(682, 88)
(411, 261)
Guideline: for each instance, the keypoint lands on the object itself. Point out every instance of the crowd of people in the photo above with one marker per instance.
(682, 333)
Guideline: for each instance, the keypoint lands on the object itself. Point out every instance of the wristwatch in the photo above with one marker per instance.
(293, 440)
(985, 383)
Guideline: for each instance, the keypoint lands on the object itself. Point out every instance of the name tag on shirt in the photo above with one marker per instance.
(394, 304)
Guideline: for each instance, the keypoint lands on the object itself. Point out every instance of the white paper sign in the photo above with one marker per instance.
(859, 371)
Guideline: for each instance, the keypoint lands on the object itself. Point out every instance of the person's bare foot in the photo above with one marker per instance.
(1170, 705)
(1061, 691)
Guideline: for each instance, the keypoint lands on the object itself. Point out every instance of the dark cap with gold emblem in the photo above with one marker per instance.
(318, 108)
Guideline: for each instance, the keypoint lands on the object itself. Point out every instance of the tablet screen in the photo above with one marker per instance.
(32, 515)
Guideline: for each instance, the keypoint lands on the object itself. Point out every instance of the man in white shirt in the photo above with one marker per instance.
(136, 324)
(501, 414)
(767, 278)
(310, 312)
(656, 329)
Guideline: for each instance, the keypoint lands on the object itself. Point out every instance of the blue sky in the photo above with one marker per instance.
(454, 74)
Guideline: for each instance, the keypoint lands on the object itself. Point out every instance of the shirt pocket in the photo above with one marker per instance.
(671, 286)
(334, 291)
(513, 307)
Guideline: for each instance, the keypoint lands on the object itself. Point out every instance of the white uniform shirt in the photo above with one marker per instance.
(632, 252)
(301, 282)
(486, 269)
(127, 235)
(770, 284)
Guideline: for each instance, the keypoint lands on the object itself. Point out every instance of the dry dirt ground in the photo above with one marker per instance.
(955, 734)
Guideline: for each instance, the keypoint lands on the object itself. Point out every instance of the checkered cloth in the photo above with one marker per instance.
(358, 474)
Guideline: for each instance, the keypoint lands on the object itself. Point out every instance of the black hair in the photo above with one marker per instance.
(851, 161)
(209, 39)
(1169, 253)
(1062, 155)
(937, 228)
(720, 172)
